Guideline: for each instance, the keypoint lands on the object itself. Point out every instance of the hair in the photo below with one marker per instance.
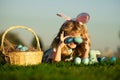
(72, 27)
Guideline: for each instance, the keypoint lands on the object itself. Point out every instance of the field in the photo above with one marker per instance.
(61, 71)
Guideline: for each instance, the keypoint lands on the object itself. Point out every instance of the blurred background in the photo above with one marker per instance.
(40, 15)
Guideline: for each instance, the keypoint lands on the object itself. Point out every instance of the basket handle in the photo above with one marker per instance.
(15, 27)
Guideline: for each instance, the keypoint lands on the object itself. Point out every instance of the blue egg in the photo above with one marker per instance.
(99, 59)
(103, 59)
(113, 59)
(19, 46)
(78, 40)
(24, 48)
(68, 40)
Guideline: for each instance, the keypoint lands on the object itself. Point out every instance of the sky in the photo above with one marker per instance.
(40, 15)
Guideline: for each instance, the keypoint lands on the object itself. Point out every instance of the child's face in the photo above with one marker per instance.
(72, 44)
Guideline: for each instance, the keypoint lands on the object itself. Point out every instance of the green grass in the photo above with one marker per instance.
(61, 71)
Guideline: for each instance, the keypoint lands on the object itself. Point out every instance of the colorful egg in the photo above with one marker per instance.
(99, 59)
(85, 61)
(68, 40)
(77, 60)
(103, 59)
(78, 40)
(19, 46)
(24, 48)
(113, 59)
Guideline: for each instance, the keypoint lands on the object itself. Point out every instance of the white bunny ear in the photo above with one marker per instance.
(63, 16)
(83, 18)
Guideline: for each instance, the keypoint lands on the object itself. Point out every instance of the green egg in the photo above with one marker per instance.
(78, 40)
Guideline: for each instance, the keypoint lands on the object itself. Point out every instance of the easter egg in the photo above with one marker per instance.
(77, 60)
(19, 46)
(113, 59)
(68, 40)
(24, 48)
(103, 59)
(85, 61)
(78, 40)
(99, 59)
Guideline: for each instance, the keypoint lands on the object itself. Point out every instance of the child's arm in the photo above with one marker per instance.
(56, 56)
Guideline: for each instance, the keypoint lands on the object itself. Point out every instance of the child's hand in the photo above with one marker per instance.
(62, 38)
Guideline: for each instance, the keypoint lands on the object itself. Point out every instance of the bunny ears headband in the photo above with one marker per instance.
(81, 18)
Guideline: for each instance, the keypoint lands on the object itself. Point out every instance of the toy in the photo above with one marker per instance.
(92, 56)
(85, 61)
(113, 59)
(77, 60)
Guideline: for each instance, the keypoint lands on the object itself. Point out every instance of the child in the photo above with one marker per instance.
(72, 41)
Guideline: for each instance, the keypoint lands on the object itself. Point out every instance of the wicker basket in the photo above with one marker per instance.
(22, 57)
